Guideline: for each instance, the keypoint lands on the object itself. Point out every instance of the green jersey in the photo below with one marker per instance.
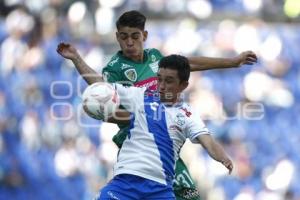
(144, 74)
(127, 72)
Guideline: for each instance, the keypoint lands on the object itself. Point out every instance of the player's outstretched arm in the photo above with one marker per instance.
(215, 150)
(67, 51)
(206, 63)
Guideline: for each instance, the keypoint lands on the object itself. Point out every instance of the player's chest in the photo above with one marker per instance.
(139, 72)
(176, 122)
(172, 119)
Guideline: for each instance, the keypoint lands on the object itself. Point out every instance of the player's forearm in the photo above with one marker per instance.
(206, 63)
(89, 75)
(213, 148)
(217, 152)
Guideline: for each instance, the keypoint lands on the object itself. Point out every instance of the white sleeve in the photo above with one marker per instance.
(195, 127)
(129, 96)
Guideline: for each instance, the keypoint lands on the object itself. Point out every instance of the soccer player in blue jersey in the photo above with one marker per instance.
(160, 124)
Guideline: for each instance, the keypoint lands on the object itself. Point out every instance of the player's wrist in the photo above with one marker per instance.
(225, 160)
(235, 62)
(76, 57)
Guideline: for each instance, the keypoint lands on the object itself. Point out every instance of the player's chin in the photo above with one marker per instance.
(131, 52)
(162, 95)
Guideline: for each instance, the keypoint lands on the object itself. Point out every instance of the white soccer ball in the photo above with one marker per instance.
(100, 100)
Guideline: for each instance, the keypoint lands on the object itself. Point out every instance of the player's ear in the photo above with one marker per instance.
(184, 85)
(118, 37)
(145, 35)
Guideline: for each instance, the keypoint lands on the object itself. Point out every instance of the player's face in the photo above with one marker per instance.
(169, 85)
(131, 41)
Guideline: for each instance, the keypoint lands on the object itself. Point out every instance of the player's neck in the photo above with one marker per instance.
(136, 58)
(171, 103)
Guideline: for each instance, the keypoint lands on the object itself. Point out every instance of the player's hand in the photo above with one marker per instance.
(245, 58)
(67, 50)
(228, 164)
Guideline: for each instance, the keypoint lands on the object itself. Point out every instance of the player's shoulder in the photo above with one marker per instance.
(153, 53)
(186, 110)
(186, 106)
(114, 62)
(151, 50)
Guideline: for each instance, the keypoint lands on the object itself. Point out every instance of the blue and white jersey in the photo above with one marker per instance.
(157, 133)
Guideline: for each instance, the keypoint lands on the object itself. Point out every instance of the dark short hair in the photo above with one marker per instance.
(133, 19)
(179, 63)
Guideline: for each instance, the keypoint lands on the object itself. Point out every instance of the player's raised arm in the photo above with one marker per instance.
(215, 150)
(206, 63)
(69, 52)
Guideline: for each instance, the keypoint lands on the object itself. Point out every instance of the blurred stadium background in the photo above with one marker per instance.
(50, 150)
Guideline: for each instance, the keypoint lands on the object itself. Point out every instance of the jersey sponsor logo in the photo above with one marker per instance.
(125, 66)
(180, 119)
(149, 83)
(113, 61)
(154, 66)
(131, 74)
(187, 113)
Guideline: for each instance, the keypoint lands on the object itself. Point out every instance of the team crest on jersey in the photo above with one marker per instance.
(131, 74)
(180, 119)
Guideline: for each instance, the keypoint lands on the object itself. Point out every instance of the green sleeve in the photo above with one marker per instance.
(110, 74)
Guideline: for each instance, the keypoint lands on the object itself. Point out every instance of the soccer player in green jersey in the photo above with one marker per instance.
(134, 65)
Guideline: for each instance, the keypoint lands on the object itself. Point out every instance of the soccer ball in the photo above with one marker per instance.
(100, 100)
